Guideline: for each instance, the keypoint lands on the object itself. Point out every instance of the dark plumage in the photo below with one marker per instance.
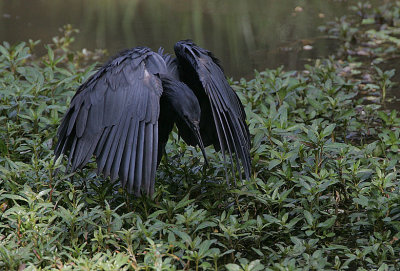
(124, 113)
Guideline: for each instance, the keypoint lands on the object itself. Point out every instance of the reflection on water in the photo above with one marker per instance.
(244, 34)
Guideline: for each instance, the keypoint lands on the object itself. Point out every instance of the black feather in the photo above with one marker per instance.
(132, 162)
(139, 160)
(104, 118)
(203, 73)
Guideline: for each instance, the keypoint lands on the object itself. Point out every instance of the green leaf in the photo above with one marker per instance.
(183, 235)
(362, 200)
(156, 214)
(328, 130)
(309, 217)
(327, 223)
(233, 267)
(205, 247)
(204, 225)
(370, 20)
(255, 266)
(296, 241)
(183, 203)
(4, 52)
(273, 163)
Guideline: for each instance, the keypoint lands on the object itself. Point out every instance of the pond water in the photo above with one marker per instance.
(244, 34)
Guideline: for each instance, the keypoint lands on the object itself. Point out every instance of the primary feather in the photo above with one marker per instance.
(220, 105)
(114, 115)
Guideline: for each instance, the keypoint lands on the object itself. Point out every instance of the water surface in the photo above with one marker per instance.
(244, 34)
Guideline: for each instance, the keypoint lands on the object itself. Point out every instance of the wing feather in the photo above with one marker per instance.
(148, 156)
(139, 160)
(199, 69)
(154, 156)
(114, 146)
(132, 162)
(113, 115)
(221, 122)
(124, 173)
(120, 149)
(105, 153)
(103, 139)
(238, 138)
(71, 157)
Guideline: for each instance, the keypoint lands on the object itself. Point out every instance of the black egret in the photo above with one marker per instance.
(124, 113)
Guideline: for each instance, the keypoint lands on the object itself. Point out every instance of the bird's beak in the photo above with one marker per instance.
(196, 131)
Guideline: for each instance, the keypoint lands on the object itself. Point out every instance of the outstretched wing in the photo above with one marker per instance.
(220, 105)
(114, 115)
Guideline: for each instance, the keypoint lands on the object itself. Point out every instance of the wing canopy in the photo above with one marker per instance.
(114, 115)
(201, 71)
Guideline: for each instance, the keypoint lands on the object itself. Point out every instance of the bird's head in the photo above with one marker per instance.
(190, 114)
(184, 102)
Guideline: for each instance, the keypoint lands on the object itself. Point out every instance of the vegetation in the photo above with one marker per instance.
(325, 193)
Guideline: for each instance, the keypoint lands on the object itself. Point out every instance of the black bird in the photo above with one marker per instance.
(124, 113)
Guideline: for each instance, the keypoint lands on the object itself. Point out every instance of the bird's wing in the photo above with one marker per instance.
(200, 70)
(114, 115)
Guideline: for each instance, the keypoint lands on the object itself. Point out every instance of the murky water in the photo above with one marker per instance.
(244, 34)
